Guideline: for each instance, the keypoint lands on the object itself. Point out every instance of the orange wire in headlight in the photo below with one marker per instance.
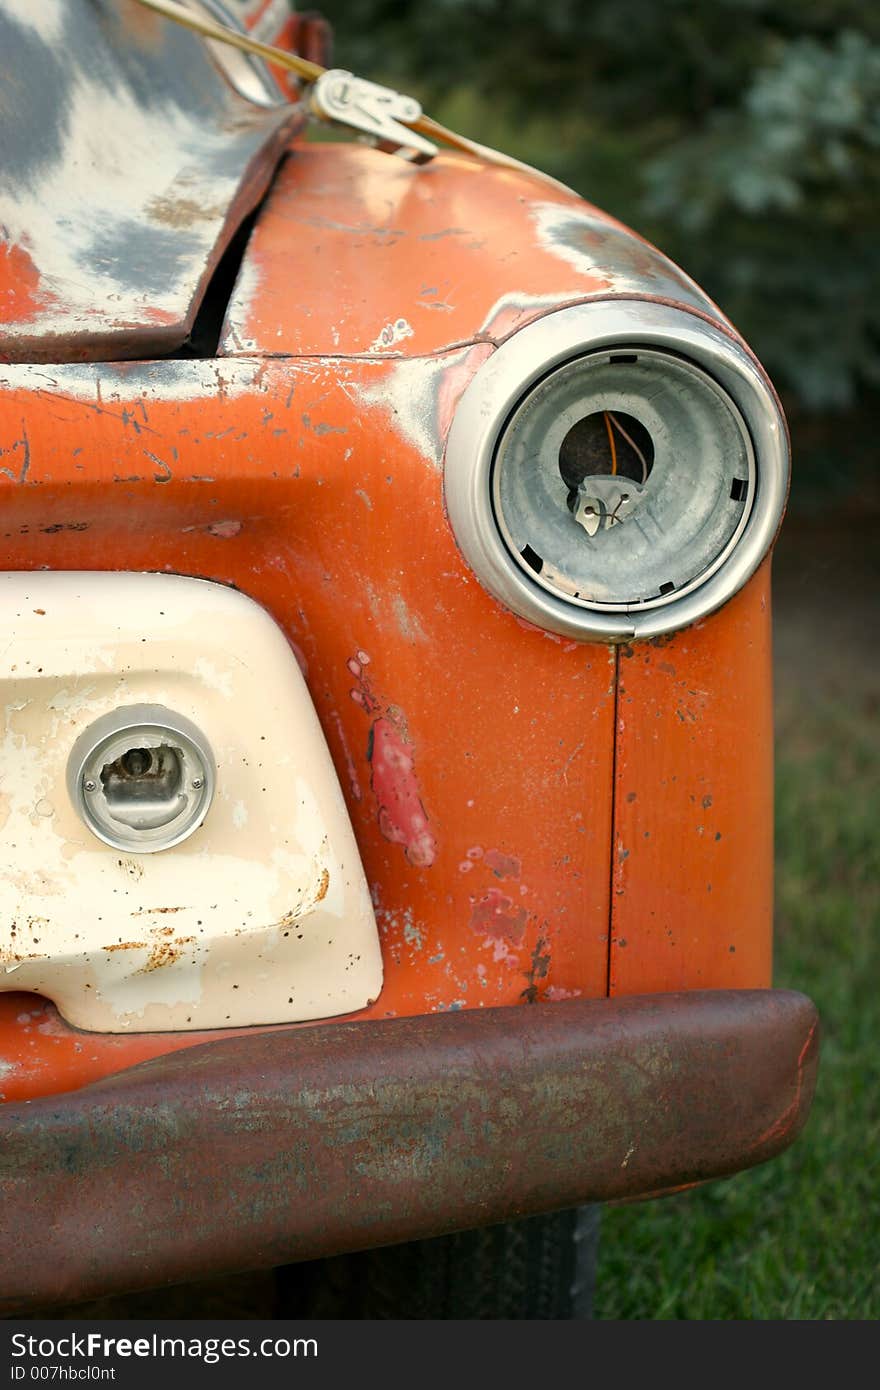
(632, 443)
(611, 442)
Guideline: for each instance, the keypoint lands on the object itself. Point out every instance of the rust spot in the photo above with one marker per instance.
(156, 315)
(127, 946)
(181, 212)
(806, 1068)
(166, 952)
(539, 969)
(149, 911)
(293, 917)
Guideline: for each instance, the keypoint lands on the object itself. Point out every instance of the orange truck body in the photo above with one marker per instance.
(538, 818)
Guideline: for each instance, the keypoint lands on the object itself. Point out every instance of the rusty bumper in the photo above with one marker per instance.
(264, 1149)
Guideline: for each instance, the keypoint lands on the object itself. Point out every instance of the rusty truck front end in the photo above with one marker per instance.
(386, 771)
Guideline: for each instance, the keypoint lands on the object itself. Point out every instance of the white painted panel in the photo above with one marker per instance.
(263, 914)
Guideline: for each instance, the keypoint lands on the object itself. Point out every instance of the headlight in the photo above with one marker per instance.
(617, 470)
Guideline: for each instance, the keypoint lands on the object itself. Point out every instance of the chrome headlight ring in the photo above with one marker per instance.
(664, 526)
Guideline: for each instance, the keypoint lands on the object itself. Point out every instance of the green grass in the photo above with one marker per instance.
(798, 1237)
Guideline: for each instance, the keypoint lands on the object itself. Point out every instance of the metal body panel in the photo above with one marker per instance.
(692, 887)
(358, 254)
(126, 164)
(288, 1146)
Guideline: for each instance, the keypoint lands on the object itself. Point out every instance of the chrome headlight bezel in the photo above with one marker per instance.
(504, 382)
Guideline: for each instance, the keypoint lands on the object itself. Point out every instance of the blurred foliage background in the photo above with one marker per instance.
(741, 136)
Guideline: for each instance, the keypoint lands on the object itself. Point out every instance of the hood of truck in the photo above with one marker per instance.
(127, 163)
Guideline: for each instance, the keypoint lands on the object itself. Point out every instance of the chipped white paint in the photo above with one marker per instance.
(129, 389)
(241, 309)
(599, 249)
(407, 621)
(216, 678)
(419, 395)
(263, 915)
(392, 335)
(45, 17)
(70, 702)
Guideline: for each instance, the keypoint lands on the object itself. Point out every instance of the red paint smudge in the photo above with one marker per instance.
(362, 695)
(502, 865)
(160, 316)
(495, 915)
(402, 816)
